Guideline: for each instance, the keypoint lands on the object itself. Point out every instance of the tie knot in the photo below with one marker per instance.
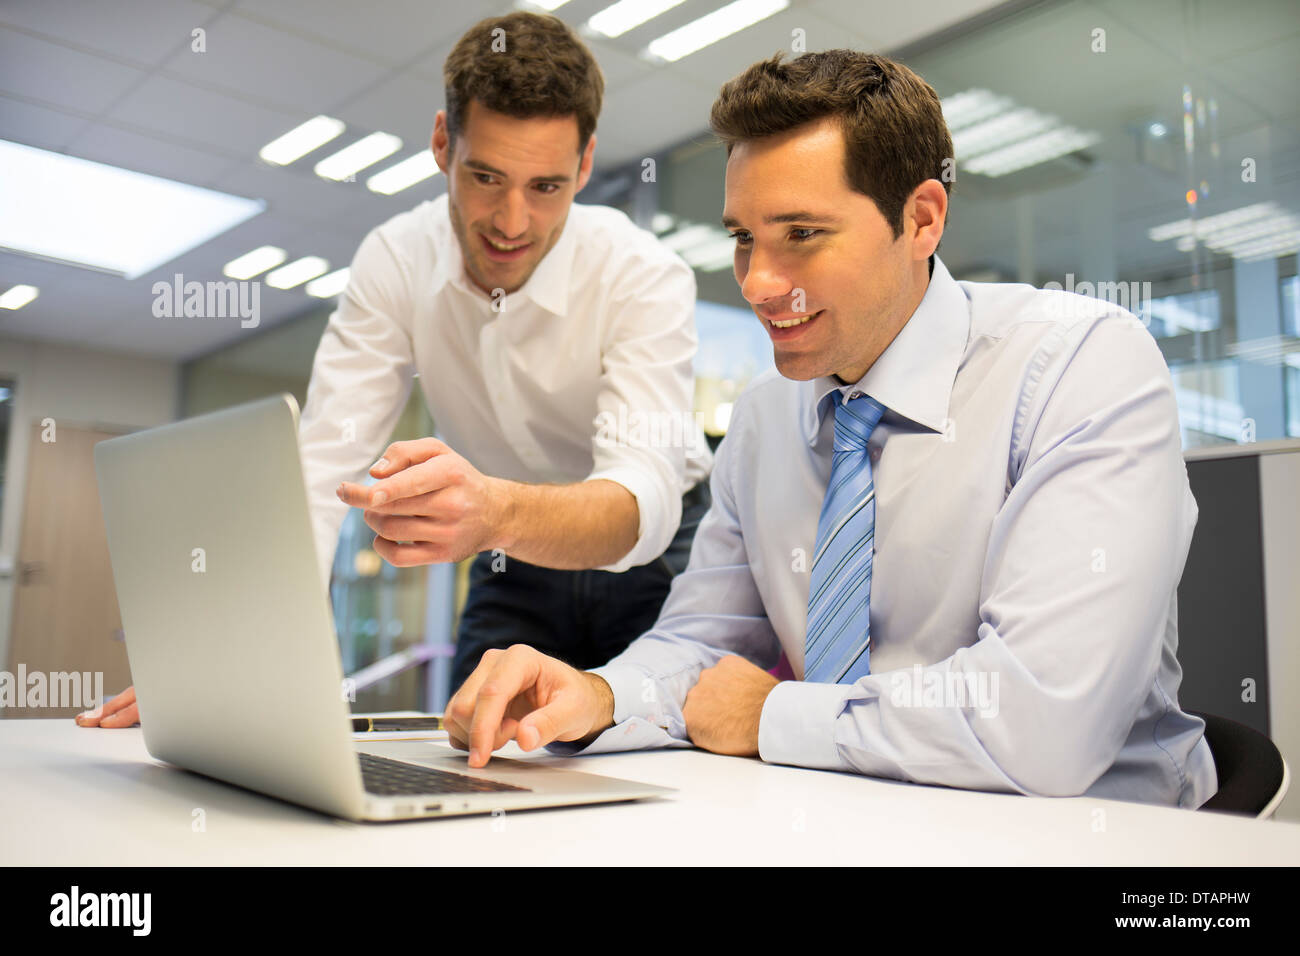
(855, 420)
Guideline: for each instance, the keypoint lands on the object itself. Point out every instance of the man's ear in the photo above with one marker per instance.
(440, 143)
(924, 216)
(585, 164)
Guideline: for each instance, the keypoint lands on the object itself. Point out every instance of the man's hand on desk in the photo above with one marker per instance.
(121, 711)
(521, 694)
(432, 498)
(723, 709)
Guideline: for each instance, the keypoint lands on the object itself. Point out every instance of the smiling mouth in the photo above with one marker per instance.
(505, 247)
(792, 322)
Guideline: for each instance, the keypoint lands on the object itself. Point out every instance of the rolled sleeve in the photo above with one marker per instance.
(645, 424)
(656, 511)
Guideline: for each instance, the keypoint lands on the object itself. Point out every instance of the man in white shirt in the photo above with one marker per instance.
(540, 330)
(960, 509)
(553, 343)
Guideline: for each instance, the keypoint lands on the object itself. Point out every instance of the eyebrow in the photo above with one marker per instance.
(485, 168)
(730, 222)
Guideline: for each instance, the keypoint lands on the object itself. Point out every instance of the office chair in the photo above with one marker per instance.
(1253, 777)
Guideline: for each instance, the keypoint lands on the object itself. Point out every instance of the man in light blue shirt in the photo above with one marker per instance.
(1031, 507)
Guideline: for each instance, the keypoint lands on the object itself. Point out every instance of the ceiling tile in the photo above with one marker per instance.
(143, 31)
(391, 30)
(36, 125)
(148, 154)
(56, 75)
(297, 193)
(234, 127)
(273, 65)
(403, 105)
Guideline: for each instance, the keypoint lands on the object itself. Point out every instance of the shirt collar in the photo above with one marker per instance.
(913, 377)
(449, 262)
(547, 287)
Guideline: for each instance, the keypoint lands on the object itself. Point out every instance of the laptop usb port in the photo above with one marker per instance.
(433, 806)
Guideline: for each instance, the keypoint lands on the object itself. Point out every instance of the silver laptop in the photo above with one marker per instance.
(231, 638)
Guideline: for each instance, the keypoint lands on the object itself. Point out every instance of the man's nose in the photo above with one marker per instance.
(511, 217)
(763, 281)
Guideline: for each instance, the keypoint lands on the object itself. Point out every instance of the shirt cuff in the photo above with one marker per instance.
(652, 538)
(797, 726)
(637, 724)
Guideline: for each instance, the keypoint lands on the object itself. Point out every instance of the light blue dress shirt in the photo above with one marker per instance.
(1033, 515)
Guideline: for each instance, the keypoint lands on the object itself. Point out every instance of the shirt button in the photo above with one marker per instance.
(855, 395)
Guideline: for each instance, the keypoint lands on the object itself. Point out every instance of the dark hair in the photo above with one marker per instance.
(894, 133)
(535, 66)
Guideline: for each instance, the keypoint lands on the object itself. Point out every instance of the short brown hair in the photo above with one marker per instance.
(894, 133)
(535, 66)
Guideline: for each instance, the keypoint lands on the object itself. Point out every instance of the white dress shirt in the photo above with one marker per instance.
(1033, 515)
(529, 387)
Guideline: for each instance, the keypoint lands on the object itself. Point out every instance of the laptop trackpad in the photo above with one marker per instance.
(531, 773)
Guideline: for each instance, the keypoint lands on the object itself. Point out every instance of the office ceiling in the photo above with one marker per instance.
(1091, 216)
(117, 82)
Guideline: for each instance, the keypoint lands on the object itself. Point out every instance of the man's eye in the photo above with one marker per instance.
(741, 237)
(548, 188)
(484, 178)
(795, 233)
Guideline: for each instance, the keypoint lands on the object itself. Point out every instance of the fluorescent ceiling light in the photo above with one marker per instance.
(412, 170)
(1234, 217)
(18, 296)
(358, 156)
(716, 254)
(542, 4)
(297, 272)
(254, 263)
(972, 106)
(301, 140)
(712, 27)
(1258, 231)
(688, 235)
(1038, 149)
(103, 217)
(328, 286)
(1269, 350)
(993, 135)
(661, 222)
(705, 247)
(1283, 245)
(618, 18)
(1000, 131)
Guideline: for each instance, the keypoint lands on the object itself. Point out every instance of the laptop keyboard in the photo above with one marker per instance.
(391, 778)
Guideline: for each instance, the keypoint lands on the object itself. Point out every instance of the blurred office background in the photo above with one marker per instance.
(1145, 150)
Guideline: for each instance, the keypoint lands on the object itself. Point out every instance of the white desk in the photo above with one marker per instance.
(75, 796)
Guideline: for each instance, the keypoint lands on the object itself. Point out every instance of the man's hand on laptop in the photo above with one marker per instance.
(521, 694)
(430, 506)
(121, 711)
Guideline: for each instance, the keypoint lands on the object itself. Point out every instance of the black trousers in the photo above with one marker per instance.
(584, 618)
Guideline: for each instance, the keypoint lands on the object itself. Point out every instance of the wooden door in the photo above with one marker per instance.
(66, 617)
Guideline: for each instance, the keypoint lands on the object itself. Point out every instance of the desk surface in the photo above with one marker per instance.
(75, 796)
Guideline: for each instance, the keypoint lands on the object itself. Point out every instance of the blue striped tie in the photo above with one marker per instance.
(839, 595)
